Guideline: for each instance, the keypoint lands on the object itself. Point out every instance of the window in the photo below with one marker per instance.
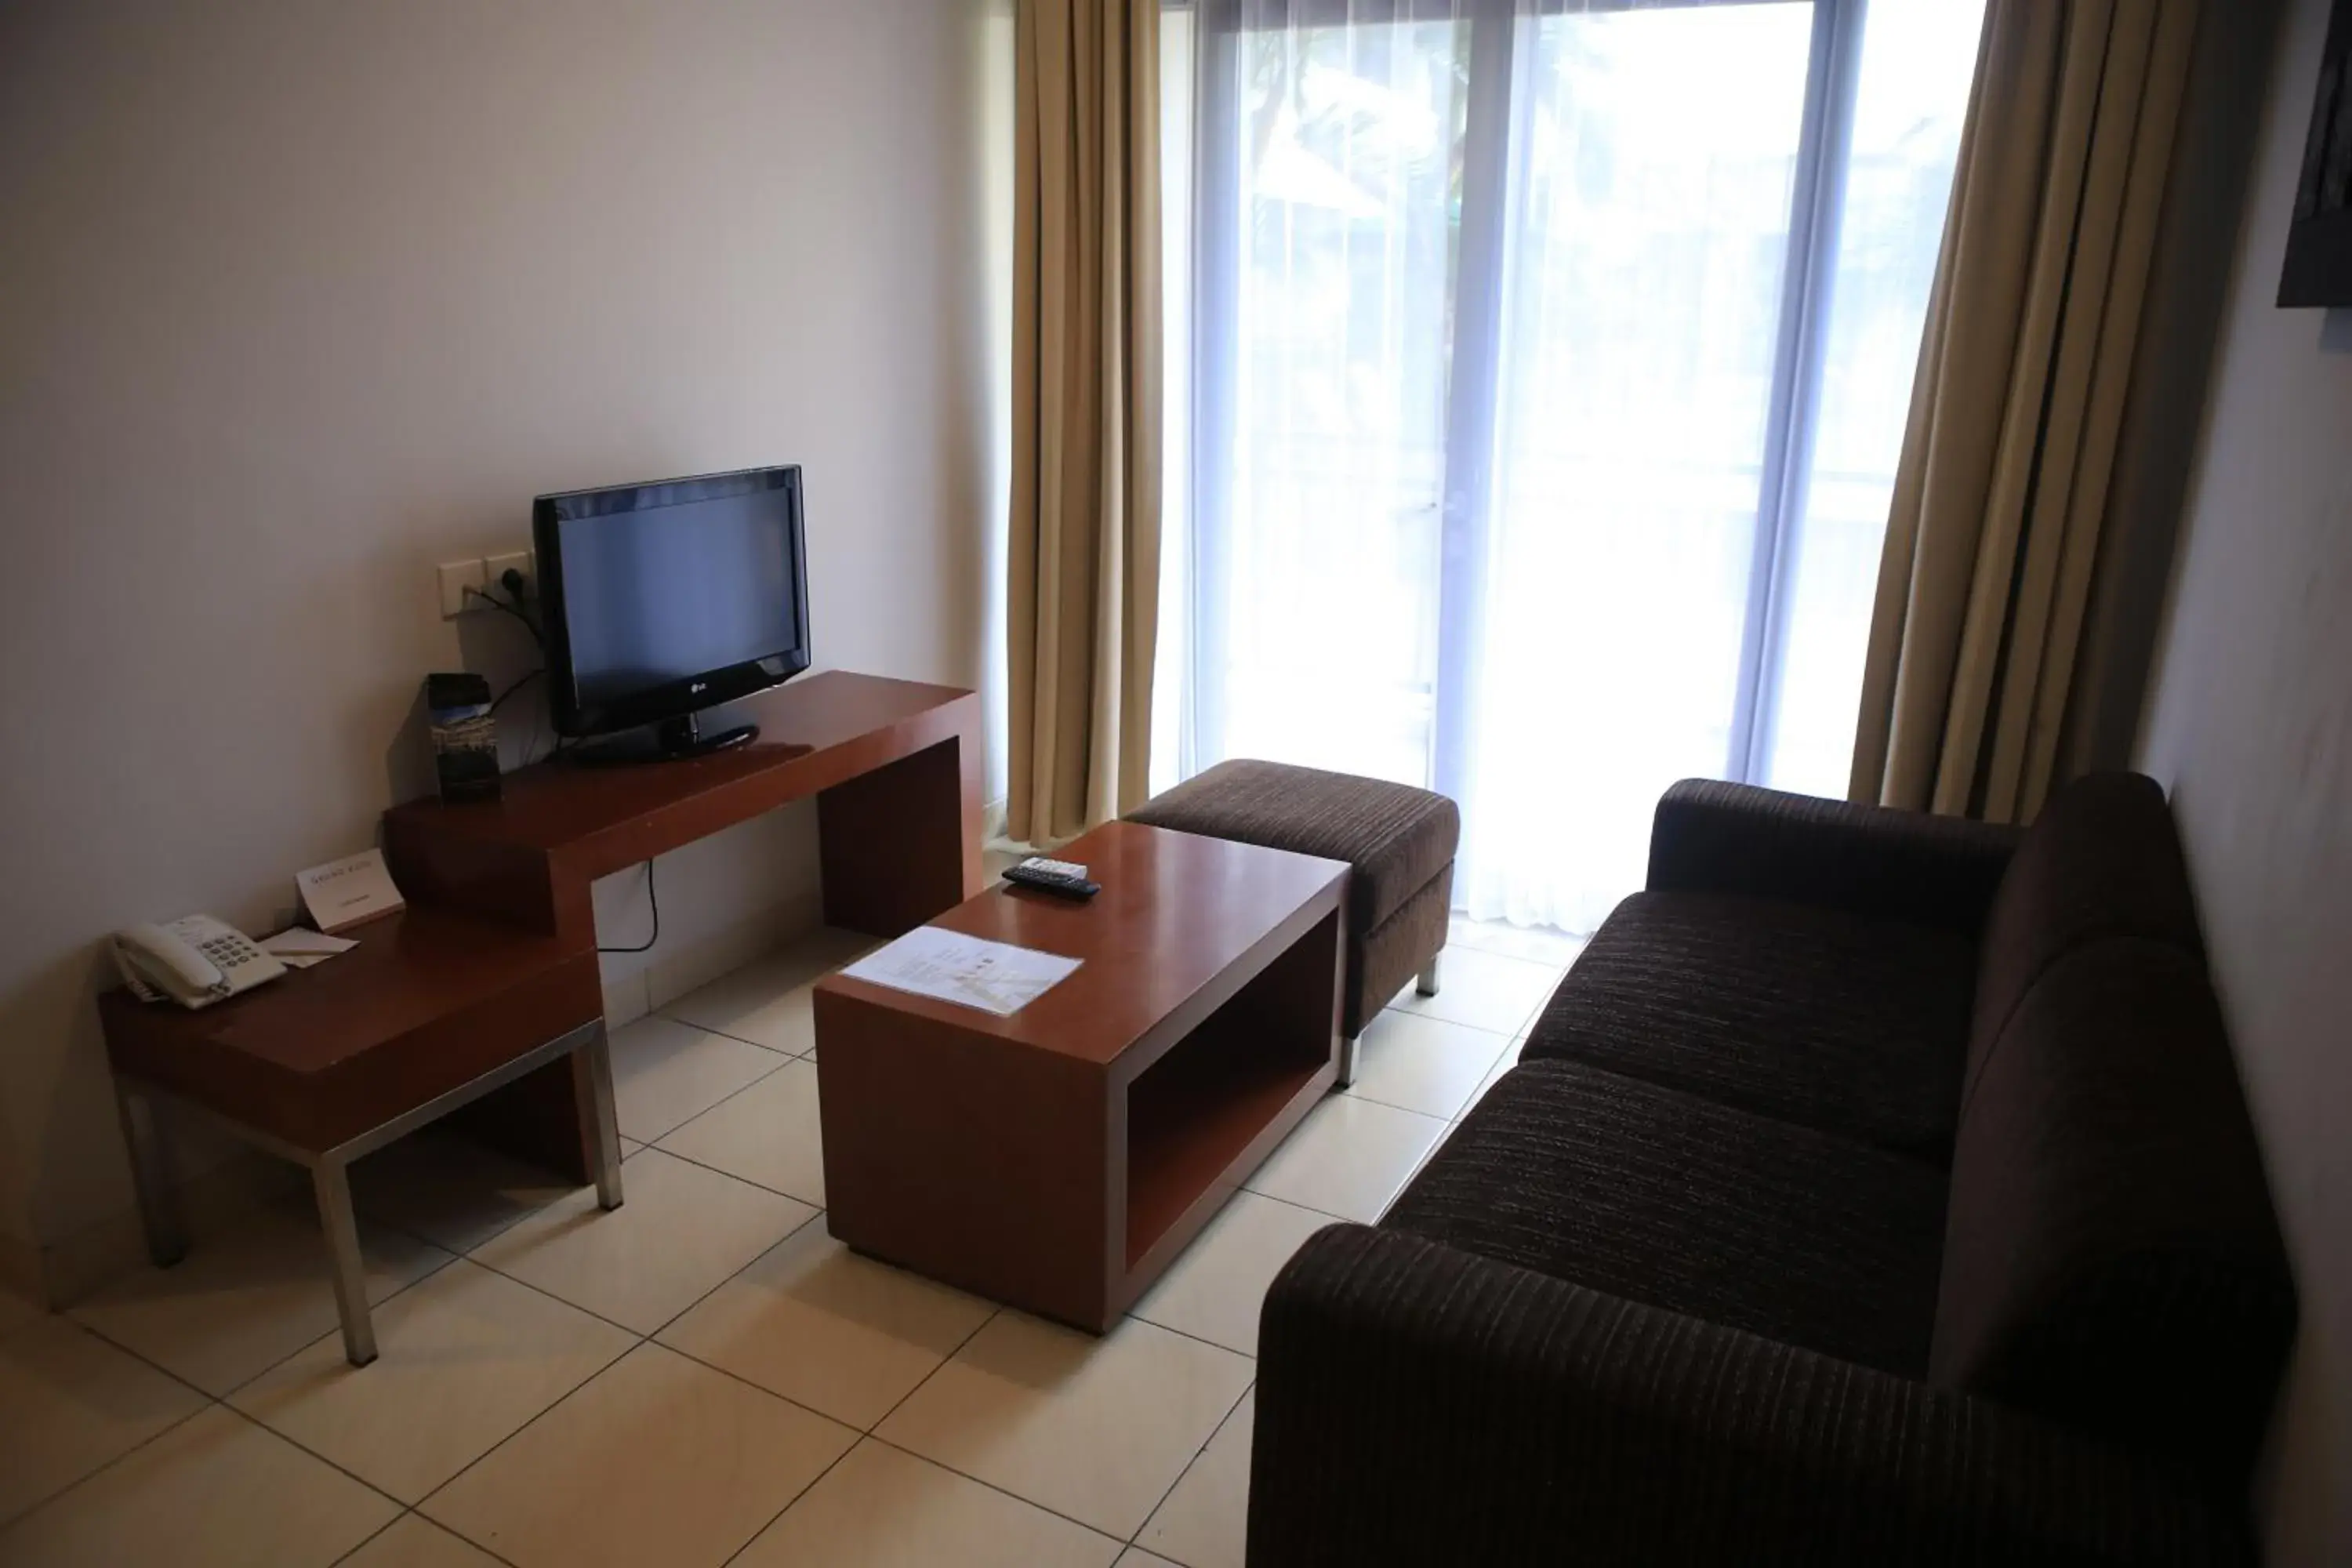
(1544, 373)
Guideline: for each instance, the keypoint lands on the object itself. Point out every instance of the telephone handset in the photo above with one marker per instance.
(195, 961)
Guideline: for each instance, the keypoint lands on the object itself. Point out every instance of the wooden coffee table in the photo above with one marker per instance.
(1058, 1159)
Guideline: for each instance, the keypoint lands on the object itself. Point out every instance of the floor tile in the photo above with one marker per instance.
(768, 1134)
(1552, 948)
(1349, 1158)
(1503, 1064)
(1419, 1063)
(1204, 1523)
(463, 1360)
(881, 1508)
(841, 1334)
(1094, 1429)
(415, 1541)
(1483, 990)
(666, 1073)
(69, 1402)
(658, 1459)
(214, 1489)
(1214, 1290)
(1136, 1557)
(678, 1232)
(450, 1190)
(767, 1003)
(246, 1299)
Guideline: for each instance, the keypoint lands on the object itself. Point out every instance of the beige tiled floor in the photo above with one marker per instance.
(682, 1232)
(766, 1134)
(241, 1302)
(1424, 1064)
(1197, 1524)
(704, 1375)
(666, 1073)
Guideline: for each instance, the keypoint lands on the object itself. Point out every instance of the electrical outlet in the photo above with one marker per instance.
(456, 576)
(494, 569)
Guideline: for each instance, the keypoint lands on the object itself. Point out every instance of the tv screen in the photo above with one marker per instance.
(668, 597)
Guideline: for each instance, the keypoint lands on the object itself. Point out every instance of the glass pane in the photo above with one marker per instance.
(1655, 154)
(1918, 57)
(1171, 649)
(1327, 557)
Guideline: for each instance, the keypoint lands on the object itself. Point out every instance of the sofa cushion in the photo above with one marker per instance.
(1829, 1020)
(2110, 1257)
(1396, 837)
(1671, 1200)
(2102, 860)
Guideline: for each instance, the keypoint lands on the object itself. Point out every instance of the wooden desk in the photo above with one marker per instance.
(433, 1011)
(894, 766)
(483, 999)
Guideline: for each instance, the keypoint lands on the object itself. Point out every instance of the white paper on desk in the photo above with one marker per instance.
(298, 948)
(972, 971)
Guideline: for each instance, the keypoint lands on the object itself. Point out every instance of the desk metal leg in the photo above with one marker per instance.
(592, 1092)
(330, 1179)
(150, 1173)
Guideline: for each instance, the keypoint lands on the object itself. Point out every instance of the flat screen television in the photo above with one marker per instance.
(663, 600)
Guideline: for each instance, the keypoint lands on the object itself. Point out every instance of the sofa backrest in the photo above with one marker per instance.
(2111, 1257)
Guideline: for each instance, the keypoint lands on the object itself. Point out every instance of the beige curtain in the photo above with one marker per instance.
(2031, 332)
(1084, 572)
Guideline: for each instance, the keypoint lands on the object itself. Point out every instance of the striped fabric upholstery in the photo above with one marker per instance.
(1666, 1199)
(1397, 837)
(2111, 1257)
(1714, 837)
(1418, 1404)
(1398, 840)
(1815, 1015)
(1662, 1297)
(2104, 862)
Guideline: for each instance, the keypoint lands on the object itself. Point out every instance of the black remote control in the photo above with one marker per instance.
(1058, 876)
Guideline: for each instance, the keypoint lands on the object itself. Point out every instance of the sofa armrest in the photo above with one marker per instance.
(1714, 837)
(1417, 1403)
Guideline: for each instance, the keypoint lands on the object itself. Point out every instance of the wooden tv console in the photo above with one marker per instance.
(895, 768)
(480, 1002)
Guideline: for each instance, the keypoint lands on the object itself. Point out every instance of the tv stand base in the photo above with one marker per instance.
(665, 741)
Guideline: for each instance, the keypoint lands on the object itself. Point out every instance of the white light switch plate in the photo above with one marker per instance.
(456, 576)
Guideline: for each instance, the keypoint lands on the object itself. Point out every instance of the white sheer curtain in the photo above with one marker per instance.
(1651, 212)
(1548, 372)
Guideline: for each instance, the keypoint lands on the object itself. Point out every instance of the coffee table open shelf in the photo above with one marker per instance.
(1060, 1158)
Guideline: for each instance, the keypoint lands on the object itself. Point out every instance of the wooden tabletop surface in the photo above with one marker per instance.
(553, 805)
(1175, 911)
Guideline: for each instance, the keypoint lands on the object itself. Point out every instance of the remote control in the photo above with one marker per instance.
(1060, 877)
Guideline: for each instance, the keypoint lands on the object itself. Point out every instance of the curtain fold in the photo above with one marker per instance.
(1083, 536)
(2003, 482)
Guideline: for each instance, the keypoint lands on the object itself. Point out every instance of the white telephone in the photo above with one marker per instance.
(195, 961)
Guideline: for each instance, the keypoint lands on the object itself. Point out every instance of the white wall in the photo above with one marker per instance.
(297, 299)
(2250, 722)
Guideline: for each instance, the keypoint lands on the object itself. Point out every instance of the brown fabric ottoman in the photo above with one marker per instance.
(1399, 839)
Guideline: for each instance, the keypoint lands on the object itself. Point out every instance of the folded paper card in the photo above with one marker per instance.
(343, 893)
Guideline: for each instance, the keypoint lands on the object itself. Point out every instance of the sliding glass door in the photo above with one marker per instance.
(1516, 333)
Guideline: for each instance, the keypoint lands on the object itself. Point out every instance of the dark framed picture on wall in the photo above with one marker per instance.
(2319, 237)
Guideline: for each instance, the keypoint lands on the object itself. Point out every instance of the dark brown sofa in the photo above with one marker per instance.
(1876, 1189)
